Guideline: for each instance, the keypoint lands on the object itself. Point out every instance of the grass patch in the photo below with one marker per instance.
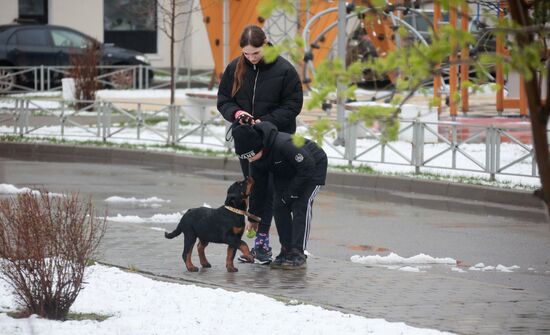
(155, 147)
(471, 180)
(19, 314)
(87, 316)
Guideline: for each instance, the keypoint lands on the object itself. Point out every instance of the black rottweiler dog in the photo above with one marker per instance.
(217, 225)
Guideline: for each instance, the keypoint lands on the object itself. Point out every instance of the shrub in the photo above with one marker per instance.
(84, 72)
(45, 243)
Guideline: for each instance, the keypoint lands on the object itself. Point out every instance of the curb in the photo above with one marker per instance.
(432, 194)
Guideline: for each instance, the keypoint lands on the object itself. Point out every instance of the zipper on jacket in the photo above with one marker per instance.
(254, 90)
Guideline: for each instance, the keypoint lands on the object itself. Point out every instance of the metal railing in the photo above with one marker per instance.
(433, 145)
(48, 78)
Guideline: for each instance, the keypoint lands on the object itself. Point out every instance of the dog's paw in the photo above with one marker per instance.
(206, 265)
(192, 269)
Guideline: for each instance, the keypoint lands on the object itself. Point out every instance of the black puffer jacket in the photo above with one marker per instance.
(293, 168)
(271, 92)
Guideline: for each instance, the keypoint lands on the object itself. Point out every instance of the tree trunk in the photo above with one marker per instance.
(172, 42)
(537, 114)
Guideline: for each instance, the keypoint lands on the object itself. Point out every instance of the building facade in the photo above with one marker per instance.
(133, 24)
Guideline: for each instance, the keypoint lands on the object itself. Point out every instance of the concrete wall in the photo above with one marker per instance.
(9, 10)
(85, 16)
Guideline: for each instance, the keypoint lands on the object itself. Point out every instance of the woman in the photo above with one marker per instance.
(253, 91)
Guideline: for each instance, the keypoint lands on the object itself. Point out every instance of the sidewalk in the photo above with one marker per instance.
(344, 224)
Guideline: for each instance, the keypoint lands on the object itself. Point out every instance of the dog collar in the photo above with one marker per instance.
(243, 213)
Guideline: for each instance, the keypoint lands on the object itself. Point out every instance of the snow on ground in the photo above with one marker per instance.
(139, 305)
(117, 199)
(421, 262)
(12, 189)
(157, 218)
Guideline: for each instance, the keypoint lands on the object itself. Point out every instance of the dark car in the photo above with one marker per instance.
(49, 45)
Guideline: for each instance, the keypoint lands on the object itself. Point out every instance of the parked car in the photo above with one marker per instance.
(50, 45)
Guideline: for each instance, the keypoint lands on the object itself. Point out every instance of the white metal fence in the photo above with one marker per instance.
(48, 78)
(457, 146)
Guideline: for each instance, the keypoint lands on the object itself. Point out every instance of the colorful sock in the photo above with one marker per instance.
(262, 241)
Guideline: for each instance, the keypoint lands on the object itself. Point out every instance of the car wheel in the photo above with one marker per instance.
(7, 80)
(122, 79)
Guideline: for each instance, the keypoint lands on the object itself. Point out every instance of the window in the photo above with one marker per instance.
(32, 37)
(33, 11)
(131, 24)
(66, 38)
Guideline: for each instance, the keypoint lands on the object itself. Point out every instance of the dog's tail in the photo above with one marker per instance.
(173, 234)
(177, 231)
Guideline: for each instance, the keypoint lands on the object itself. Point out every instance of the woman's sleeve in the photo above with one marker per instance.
(226, 103)
(292, 99)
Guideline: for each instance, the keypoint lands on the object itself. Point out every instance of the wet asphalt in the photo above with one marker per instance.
(345, 223)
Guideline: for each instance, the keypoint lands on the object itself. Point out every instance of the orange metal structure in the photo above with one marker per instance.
(243, 13)
(502, 102)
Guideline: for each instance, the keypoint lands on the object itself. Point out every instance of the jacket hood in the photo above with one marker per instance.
(268, 132)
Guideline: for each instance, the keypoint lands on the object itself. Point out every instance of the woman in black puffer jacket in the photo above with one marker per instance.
(253, 91)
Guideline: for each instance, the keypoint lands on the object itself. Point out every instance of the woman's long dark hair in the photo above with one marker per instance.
(254, 36)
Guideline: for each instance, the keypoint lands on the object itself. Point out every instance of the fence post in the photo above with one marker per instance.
(454, 141)
(16, 116)
(497, 151)
(106, 121)
(350, 141)
(490, 152)
(418, 145)
(99, 116)
(63, 117)
(203, 125)
(172, 124)
(139, 120)
(41, 77)
(23, 117)
(140, 76)
(176, 124)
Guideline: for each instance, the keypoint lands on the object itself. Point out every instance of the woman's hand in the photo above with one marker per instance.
(244, 117)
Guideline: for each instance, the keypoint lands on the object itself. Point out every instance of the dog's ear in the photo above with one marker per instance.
(234, 197)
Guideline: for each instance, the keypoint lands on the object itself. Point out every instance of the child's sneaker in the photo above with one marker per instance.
(261, 256)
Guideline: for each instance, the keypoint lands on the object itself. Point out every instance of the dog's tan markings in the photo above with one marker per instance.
(229, 260)
(238, 230)
(188, 264)
(202, 255)
(246, 252)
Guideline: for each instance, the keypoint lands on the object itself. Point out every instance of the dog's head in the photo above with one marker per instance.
(238, 192)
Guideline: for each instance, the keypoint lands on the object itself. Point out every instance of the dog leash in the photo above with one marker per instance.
(243, 213)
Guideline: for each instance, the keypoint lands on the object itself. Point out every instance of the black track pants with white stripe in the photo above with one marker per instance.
(294, 222)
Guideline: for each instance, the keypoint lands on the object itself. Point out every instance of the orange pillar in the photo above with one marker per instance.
(500, 70)
(453, 75)
(437, 79)
(464, 56)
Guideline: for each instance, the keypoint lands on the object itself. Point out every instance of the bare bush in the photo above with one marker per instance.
(45, 242)
(84, 70)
